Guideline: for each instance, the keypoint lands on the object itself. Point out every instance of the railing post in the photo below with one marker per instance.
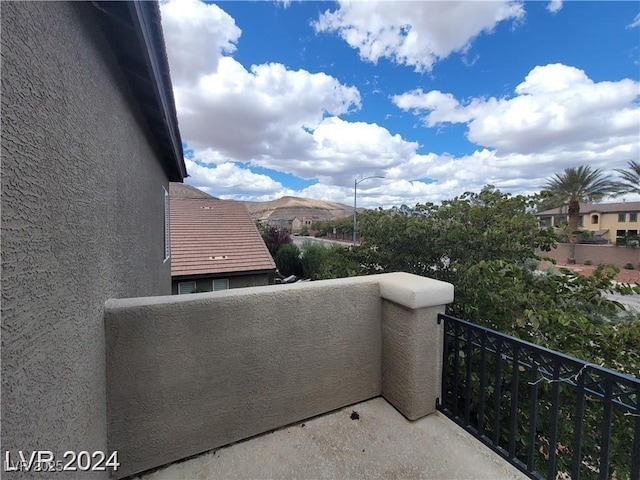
(412, 342)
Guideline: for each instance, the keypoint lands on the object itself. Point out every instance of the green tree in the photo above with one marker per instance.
(341, 262)
(314, 256)
(273, 237)
(576, 185)
(288, 260)
(441, 241)
(629, 179)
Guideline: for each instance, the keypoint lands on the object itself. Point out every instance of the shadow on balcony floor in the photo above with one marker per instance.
(378, 442)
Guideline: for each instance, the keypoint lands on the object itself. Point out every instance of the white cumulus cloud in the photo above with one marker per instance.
(265, 111)
(196, 35)
(416, 34)
(554, 6)
(555, 108)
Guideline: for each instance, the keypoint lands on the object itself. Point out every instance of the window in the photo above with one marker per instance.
(220, 284)
(167, 241)
(544, 222)
(595, 219)
(622, 217)
(633, 217)
(580, 221)
(186, 287)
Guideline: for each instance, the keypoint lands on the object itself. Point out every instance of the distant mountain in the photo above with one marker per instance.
(182, 190)
(288, 208)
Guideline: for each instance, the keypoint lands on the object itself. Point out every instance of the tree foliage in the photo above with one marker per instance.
(343, 227)
(485, 245)
(314, 257)
(273, 237)
(441, 241)
(629, 181)
(288, 260)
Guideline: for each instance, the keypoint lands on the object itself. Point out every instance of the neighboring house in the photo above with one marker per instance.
(89, 145)
(280, 223)
(608, 221)
(214, 244)
(298, 224)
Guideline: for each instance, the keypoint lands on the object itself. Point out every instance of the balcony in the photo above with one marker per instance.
(380, 443)
(246, 369)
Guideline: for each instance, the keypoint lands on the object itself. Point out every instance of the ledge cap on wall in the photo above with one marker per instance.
(414, 291)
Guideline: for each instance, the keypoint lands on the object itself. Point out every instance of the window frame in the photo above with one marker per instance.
(213, 284)
(622, 218)
(193, 282)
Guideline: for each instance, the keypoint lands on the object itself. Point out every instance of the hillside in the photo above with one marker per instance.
(287, 208)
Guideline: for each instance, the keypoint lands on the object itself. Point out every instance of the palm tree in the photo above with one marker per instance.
(629, 179)
(577, 185)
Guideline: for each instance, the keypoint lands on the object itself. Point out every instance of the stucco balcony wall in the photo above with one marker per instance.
(187, 374)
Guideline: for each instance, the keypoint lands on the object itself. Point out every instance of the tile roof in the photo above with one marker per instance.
(214, 236)
(598, 208)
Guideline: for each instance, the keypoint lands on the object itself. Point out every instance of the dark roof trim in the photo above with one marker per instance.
(199, 276)
(146, 69)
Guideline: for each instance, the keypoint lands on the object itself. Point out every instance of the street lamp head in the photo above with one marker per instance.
(356, 181)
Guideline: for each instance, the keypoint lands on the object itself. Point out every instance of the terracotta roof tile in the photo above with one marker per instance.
(214, 236)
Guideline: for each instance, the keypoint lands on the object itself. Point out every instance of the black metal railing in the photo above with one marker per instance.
(549, 414)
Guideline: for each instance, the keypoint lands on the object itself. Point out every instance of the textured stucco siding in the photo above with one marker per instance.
(194, 372)
(82, 221)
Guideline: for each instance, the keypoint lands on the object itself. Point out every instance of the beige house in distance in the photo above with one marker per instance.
(608, 221)
(299, 223)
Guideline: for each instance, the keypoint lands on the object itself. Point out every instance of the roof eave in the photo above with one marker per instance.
(145, 62)
(146, 20)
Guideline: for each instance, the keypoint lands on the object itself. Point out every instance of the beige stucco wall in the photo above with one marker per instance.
(190, 373)
(596, 254)
(605, 221)
(82, 221)
(610, 221)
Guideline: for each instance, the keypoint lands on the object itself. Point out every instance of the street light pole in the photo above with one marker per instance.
(355, 190)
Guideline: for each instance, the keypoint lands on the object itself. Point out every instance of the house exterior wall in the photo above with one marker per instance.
(606, 220)
(239, 281)
(296, 225)
(611, 221)
(82, 221)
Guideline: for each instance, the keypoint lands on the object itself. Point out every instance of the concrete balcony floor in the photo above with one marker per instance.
(380, 444)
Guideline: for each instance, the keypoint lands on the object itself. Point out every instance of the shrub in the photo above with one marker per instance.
(588, 262)
(288, 260)
(629, 266)
(313, 259)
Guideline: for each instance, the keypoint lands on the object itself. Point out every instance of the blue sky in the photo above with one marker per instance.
(301, 98)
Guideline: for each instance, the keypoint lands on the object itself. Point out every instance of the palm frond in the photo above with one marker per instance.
(629, 179)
